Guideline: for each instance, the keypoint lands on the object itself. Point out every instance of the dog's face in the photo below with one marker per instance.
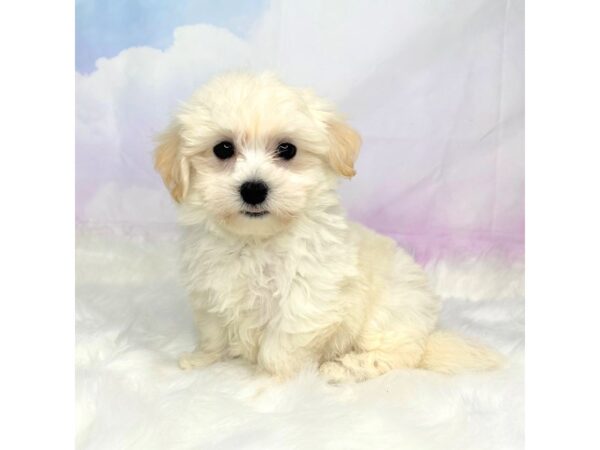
(251, 155)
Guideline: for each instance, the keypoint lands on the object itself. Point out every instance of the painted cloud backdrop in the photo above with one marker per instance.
(434, 87)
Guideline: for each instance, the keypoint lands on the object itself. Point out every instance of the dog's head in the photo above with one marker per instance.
(250, 154)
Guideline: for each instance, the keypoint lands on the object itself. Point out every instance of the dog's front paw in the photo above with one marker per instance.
(196, 359)
(335, 372)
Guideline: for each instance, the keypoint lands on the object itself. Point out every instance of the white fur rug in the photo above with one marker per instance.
(132, 321)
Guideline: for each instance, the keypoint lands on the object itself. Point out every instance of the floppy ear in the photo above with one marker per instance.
(172, 166)
(344, 146)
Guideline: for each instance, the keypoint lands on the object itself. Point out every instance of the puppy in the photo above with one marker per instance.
(275, 272)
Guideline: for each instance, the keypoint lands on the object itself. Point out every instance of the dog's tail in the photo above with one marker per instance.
(449, 353)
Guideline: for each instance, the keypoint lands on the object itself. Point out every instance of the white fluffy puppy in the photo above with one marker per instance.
(275, 272)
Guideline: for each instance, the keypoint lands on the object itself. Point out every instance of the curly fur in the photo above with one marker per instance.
(301, 284)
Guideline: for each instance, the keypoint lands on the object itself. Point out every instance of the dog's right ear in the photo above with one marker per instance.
(171, 164)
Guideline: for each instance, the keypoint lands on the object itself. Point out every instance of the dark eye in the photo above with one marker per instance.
(224, 150)
(286, 150)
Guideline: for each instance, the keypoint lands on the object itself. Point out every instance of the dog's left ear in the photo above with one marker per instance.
(344, 146)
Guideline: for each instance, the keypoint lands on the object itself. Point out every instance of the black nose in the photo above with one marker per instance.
(254, 192)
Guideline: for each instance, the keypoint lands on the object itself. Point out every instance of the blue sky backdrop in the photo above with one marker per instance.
(105, 27)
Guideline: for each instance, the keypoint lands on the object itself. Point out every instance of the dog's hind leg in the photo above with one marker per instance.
(363, 365)
(440, 351)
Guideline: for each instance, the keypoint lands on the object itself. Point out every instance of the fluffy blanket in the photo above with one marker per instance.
(132, 321)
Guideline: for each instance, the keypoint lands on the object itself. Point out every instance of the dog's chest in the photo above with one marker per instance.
(243, 286)
(261, 280)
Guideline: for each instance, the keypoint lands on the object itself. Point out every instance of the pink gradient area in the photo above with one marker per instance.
(451, 197)
(429, 245)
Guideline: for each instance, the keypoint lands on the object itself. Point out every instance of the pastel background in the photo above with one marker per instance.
(435, 88)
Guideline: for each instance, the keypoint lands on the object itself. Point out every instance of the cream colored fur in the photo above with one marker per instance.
(301, 285)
